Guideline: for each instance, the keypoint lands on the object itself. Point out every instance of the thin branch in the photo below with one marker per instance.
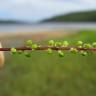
(46, 47)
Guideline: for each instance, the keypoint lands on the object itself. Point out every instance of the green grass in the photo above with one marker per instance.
(50, 75)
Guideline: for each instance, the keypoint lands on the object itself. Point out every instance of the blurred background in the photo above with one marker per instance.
(43, 74)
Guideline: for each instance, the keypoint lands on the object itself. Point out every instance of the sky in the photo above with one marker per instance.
(34, 10)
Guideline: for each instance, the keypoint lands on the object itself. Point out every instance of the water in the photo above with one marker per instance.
(5, 28)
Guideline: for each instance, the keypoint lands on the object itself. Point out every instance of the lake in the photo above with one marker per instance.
(5, 28)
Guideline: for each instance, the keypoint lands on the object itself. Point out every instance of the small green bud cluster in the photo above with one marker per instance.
(80, 47)
(49, 50)
(29, 44)
(79, 44)
(73, 50)
(61, 54)
(51, 42)
(65, 44)
(13, 50)
(34, 46)
(58, 44)
(83, 53)
(94, 44)
(87, 45)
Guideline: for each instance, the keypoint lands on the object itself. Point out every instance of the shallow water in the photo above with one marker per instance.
(5, 28)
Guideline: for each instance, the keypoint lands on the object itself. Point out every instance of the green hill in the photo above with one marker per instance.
(88, 16)
(11, 22)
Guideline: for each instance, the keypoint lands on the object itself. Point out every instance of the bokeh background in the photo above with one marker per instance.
(44, 74)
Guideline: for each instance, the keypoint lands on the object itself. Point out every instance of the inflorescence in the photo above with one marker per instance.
(60, 47)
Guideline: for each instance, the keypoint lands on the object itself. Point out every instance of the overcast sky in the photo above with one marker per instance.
(34, 10)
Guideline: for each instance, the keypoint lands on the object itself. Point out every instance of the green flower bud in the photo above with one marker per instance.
(61, 54)
(58, 43)
(79, 43)
(94, 44)
(79, 46)
(65, 43)
(73, 50)
(51, 42)
(27, 54)
(34, 46)
(13, 50)
(49, 50)
(87, 45)
(29, 43)
(83, 53)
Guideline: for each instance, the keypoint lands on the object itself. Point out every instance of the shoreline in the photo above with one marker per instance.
(51, 31)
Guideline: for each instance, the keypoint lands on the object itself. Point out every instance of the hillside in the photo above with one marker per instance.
(88, 16)
(11, 22)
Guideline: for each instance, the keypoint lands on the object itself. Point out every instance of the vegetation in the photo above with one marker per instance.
(45, 75)
(80, 48)
(11, 22)
(89, 16)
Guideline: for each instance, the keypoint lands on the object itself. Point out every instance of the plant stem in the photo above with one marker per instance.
(46, 47)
